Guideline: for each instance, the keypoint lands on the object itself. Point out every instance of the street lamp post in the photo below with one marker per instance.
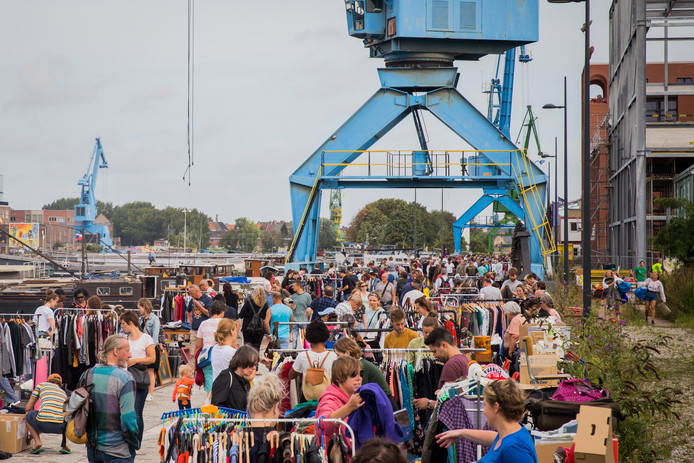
(554, 207)
(585, 201)
(565, 225)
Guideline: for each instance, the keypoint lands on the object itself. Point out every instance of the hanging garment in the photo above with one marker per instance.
(375, 417)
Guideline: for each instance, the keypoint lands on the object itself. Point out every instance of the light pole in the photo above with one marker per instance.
(585, 200)
(185, 228)
(565, 224)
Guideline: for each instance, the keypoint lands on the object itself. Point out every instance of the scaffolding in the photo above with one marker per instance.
(648, 129)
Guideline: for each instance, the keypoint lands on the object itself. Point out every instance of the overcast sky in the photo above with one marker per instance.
(272, 81)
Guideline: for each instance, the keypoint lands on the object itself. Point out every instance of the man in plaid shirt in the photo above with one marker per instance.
(319, 304)
(114, 431)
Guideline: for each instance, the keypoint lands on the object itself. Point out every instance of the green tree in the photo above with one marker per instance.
(271, 240)
(174, 222)
(284, 230)
(479, 241)
(245, 235)
(62, 204)
(327, 235)
(372, 227)
(228, 240)
(676, 239)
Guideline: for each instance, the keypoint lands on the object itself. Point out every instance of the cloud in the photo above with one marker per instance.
(148, 98)
(49, 81)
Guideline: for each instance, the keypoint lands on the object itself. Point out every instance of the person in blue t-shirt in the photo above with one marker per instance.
(503, 407)
(279, 313)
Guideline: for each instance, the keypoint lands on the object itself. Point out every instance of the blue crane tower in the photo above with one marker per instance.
(419, 41)
(86, 211)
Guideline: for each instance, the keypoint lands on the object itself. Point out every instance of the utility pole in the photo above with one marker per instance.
(84, 255)
(185, 229)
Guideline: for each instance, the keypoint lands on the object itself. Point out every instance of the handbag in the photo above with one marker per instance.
(640, 292)
(274, 342)
(140, 375)
(578, 390)
(205, 357)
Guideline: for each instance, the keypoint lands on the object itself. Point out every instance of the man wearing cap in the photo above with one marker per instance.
(49, 417)
(319, 304)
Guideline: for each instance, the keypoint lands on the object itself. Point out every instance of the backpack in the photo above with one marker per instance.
(316, 379)
(256, 325)
(77, 411)
(205, 357)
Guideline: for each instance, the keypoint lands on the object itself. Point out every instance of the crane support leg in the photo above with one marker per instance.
(383, 111)
(480, 205)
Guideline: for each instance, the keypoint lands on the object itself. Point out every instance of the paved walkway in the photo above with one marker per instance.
(149, 451)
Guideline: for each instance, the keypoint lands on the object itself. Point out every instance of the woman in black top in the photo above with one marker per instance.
(256, 304)
(230, 389)
(230, 297)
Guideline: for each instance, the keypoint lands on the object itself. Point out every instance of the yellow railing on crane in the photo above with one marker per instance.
(531, 188)
(304, 217)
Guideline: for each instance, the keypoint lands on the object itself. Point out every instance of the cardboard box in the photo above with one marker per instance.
(540, 364)
(539, 333)
(594, 443)
(545, 452)
(13, 432)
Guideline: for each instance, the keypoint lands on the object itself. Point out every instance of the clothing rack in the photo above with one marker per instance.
(73, 309)
(461, 349)
(307, 322)
(317, 421)
(293, 351)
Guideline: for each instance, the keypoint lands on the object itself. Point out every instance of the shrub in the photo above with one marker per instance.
(611, 359)
(679, 290)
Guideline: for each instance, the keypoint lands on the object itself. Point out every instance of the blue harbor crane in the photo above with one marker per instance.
(420, 41)
(86, 211)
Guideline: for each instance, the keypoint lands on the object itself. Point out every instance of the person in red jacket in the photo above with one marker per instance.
(339, 399)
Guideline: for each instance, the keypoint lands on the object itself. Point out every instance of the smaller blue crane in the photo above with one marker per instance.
(86, 211)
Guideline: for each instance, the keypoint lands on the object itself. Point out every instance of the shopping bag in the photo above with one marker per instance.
(664, 309)
(640, 292)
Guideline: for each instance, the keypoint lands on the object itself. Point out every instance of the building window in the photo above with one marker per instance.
(103, 291)
(684, 80)
(655, 109)
(53, 219)
(574, 226)
(126, 291)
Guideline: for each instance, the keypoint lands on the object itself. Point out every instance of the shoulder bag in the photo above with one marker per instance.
(140, 375)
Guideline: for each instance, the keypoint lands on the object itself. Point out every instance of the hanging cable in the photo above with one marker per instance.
(191, 86)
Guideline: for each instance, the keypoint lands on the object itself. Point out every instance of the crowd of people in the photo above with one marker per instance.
(227, 333)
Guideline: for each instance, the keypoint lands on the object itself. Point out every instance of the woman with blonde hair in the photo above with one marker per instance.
(225, 347)
(257, 307)
(504, 405)
(263, 403)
